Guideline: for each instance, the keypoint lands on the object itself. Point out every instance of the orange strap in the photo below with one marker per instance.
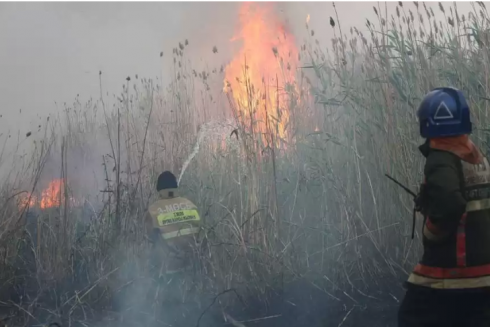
(452, 273)
(461, 242)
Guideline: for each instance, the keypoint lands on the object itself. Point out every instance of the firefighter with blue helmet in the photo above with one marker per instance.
(444, 112)
(450, 286)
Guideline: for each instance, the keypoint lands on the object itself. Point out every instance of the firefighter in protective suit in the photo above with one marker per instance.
(451, 284)
(173, 224)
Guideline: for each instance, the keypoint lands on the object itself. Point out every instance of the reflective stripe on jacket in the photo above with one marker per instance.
(456, 234)
(174, 216)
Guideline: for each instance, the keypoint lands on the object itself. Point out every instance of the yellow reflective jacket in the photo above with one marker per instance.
(173, 216)
(173, 224)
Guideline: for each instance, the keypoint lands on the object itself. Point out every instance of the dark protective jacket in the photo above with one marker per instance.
(456, 233)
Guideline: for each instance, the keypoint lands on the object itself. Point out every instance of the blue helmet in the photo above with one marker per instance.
(444, 112)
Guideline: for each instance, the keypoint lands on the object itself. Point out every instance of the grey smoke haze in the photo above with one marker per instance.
(53, 51)
(50, 52)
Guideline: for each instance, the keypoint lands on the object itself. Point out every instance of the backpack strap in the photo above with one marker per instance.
(462, 184)
(419, 204)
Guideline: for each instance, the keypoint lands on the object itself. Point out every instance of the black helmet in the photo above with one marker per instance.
(166, 180)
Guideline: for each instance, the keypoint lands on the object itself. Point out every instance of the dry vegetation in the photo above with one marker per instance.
(315, 207)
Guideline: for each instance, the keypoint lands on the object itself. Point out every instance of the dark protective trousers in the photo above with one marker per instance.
(426, 307)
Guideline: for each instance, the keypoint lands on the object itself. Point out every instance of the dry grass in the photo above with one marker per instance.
(314, 207)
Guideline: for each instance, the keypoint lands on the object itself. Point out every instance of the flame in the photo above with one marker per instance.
(263, 72)
(51, 196)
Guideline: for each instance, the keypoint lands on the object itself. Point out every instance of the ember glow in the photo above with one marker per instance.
(51, 196)
(263, 71)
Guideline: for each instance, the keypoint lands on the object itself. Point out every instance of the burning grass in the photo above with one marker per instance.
(52, 196)
(262, 76)
(316, 213)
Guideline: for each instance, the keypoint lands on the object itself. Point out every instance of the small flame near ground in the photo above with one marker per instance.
(51, 196)
(263, 72)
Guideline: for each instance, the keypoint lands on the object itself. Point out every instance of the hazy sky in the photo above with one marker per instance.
(54, 51)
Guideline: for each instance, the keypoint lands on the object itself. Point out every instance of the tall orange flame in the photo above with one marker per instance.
(260, 74)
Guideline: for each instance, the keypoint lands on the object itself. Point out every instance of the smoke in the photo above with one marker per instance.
(219, 129)
(53, 52)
